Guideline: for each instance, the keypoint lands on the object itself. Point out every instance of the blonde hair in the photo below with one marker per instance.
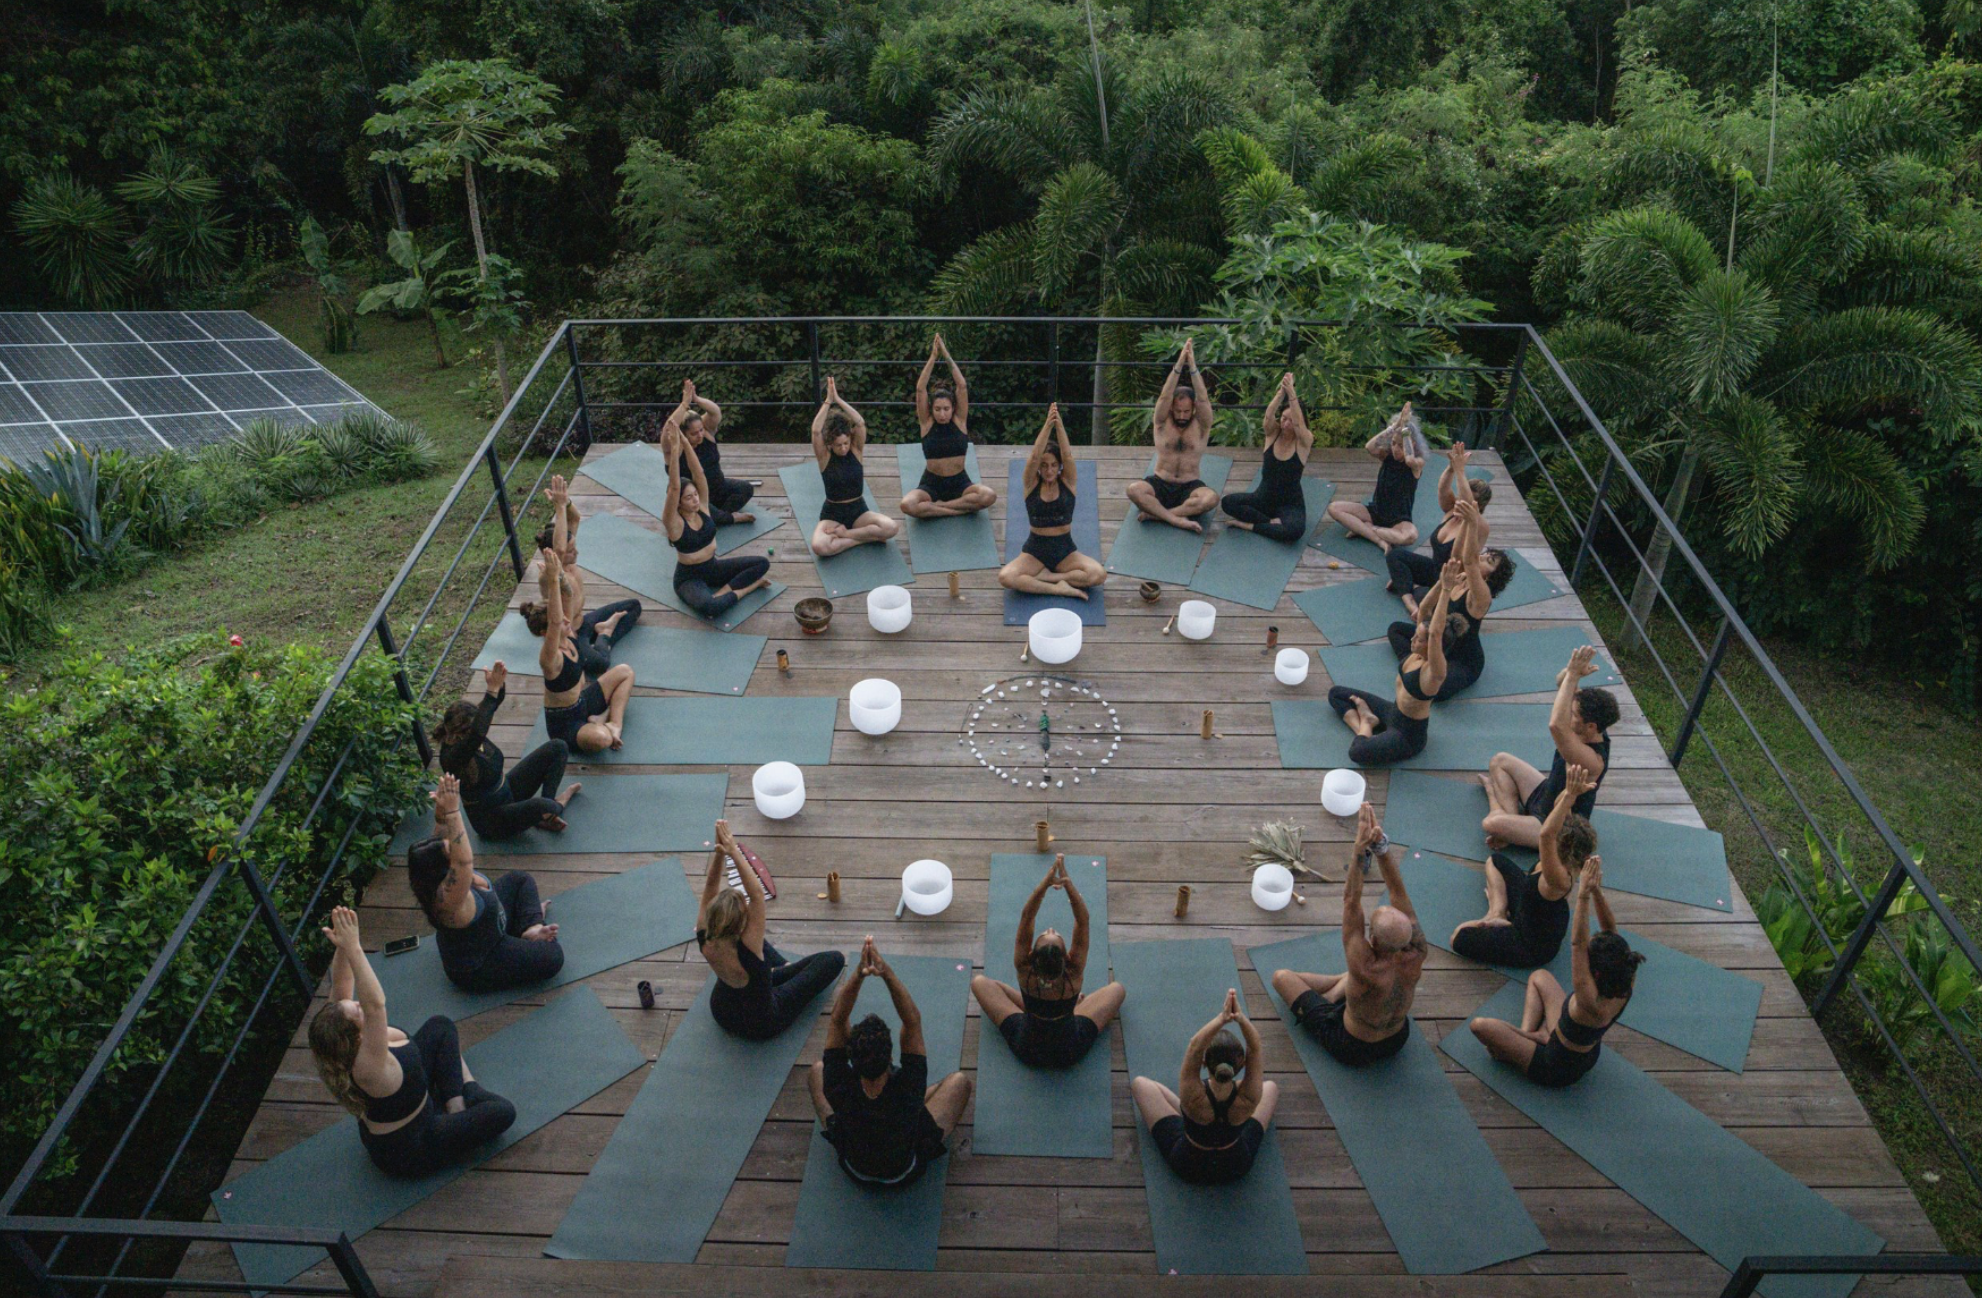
(334, 1042)
(723, 921)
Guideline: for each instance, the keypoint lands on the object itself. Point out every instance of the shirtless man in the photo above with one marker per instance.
(1181, 425)
(1365, 1014)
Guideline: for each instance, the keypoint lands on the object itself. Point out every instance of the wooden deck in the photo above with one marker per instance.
(1174, 808)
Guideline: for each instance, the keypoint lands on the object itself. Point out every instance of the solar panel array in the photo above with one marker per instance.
(144, 380)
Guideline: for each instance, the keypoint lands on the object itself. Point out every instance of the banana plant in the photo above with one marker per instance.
(421, 292)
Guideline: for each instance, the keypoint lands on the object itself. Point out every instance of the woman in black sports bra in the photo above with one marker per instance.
(1385, 518)
(1395, 729)
(418, 1107)
(1560, 1036)
(945, 490)
(1050, 563)
(1528, 910)
(1210, 1128)
(709, 585)
(1046, 1020)
(844, 519)
(1411, 571)
(599, 630)
(757, 993)
(586, 712)
(1487, 574)
(1277, 510)
(499, 802)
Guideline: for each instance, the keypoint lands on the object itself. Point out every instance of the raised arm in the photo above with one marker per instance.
(1355, 942)
(905, 1010)
(1455, 472)
(1585, 985)
(1576, 783)
(1472, 540)
(1190, 1079)
(1451, 581)
(1029, 915)
(1269, 423)
(854, 421)
(1030, 478)
(550, 652)
(1077, 945)
(1393, 878)
(375, 1063)
(1599, 899)
(820, 419)
(1069, 471)
(839, 1021)
(460, 854)
(712, 414)
(712, 880)
(1161, 411)
(1302, 433)
(1199, 391)
(671, 507)
(1253, 1085)
(756, 917)
(1562, 714)
(957, 383)
(923, 414)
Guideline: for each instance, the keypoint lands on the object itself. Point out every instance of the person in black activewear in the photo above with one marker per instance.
(418, 1107)
(709, 585)
(1210, 1128)
(1049, 563)
(886, 1123)
(1181, 426)
(1487, 574)
(758, 993)
(598, 631)
(501, 804)
(1528, 910)
(1385, 517)
(491, 936)
(698, 418)
(1045, 1019)
(1277, 510)
(1409, 570)
(1579, 722)
(1560, 1037)
(945, 490)
(844, 519)
(1396, 729)
(587, 712)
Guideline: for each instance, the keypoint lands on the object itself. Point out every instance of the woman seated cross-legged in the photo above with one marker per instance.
(1050, 563)
(1045, 1019)
(584, 711)
(758, 993)
(1210, 1128)
(1385, 518)
(419, 1109)
(598, 631)
(1528, 910)
(1397, 729)
(1579, 723)
(945, 490)
(1277, 511)
(498, 803)
(491, 936)
(839, 443)
(709, 585)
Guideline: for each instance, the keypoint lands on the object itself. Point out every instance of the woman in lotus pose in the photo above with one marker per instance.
(491, 935)
(500, 807)
(1410, 570)
(1049, 563)
(1392, 731)
(597, 631)
(1528, 910)
(1045, 1019)
(1277, 510)
(698, 418)
(1385, 517)
(584, 711)
(709, 585)
(1561, 1036)
(1579, 723)
(1210, 1128)
(844, 520)
(1487, 574)
(758, 993)
(945, 490)
(419, 1109)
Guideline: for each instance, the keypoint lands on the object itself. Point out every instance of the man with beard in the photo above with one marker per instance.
(1181, 425)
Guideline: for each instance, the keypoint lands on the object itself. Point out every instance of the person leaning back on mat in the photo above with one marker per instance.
(598, 631)
(1209, 1130)
(1364, 1015)
(886, 1122)
(502, 803)
(1579, 723)
(1528, 910)
(1045, 1019)
(1181, 425)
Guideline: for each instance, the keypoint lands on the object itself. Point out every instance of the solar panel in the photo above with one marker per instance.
(142, 380)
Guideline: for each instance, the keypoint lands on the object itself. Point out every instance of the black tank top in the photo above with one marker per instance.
(845, 477)
(1057, 512)
(412, 1092)
(1441, 549)
(1581, 1035)
(1558, 776)
(465, 948)
(1280, 480)
(1396, 490)
(696, 538)
(1219, 1132)
(569, 674)
(944, 442)
(1467, 651)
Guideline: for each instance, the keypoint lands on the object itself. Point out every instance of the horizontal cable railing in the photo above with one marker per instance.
(1752, 1271)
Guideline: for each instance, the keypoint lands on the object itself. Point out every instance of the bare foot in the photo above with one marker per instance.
(1383, 545)
(611, 624)
(554, 823)
(1068, 590)
(1495, 842)
(616, 731)
(570, 792)
(1236, 523)
(540, 933)
(743, 518)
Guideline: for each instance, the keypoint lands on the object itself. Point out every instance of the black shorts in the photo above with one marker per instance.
(1535, 925)
(1554, 1064)
(565, 722)
(1382, 519)
(1051, 550)
(1049, 1043)
(1202, 1166)
(944, 489)
(1172, 495)
(1323, 1018)
(844, 512)
(926, 1146)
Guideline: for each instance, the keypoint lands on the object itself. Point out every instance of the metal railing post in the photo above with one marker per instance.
(1861, 937)
(384, 629)
(30, 1262)
(1506, 411)
(1699, 699)
(502, 507)
(1590, 528)
(812, 342)
(265, 903)
(577, 388)
(345, 1259)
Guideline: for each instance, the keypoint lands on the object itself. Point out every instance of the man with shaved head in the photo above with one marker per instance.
(1364, 1015)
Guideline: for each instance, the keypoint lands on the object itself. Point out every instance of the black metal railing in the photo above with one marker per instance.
(1754, 1270)
(591, 369)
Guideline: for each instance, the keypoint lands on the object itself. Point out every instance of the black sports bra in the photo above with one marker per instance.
(569, 674)
(412, 1092)
(696, 538)
(944, 442)
(1057, 512)
(1409, 680)
(1582, 1035)
(1219, 1133)
(845, 477)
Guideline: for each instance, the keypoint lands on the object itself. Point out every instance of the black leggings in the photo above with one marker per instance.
(1461, 672)
(595, 646)
(697, 585)
(1274, 519)
(759, 1011)
(514, 960)
(1397, 736)
(730, 494)
(436, 1138)
(527, 794)
(1409, 570)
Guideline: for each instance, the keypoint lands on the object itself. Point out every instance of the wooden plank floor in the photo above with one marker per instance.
(1172, 809)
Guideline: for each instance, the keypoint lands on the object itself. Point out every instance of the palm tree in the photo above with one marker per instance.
(1128, 216)
(348, 61)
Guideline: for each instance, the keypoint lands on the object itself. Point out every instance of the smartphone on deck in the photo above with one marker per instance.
(401, 945)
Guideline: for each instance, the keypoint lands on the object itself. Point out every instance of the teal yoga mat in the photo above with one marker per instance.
(1043, 1112)
(1705, 1183)
(853, 571)
(601, 925)
(681, 1143)
(1683, 1001)
(961, 544)
(614, 813)
(1334, 540)
(1653, 858)
(666, 657)
(1087, 537)
(1154, 550)
(1517, 662)
(639, 472)
(1415, 1147)
(629, 555)
(843, 1223)
(547, 1064)
(1464, 736)
(719, 732)
(1249, 1226)
(1246, 568)
(1351, 611)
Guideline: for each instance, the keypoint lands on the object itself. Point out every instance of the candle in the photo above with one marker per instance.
(1183, 899)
